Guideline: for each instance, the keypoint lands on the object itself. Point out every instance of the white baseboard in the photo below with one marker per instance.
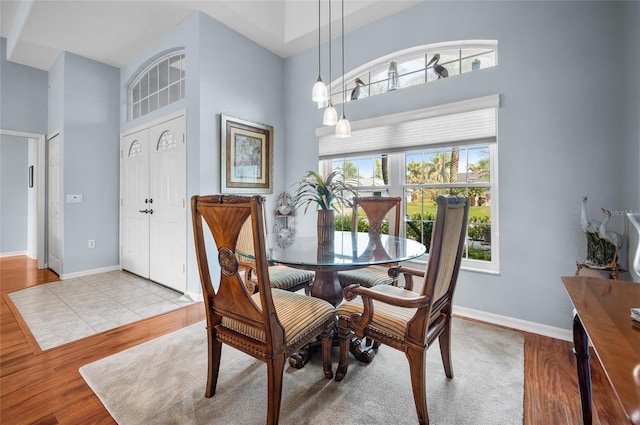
(12, 254)
(511, 322)
(193, 296)
(89, 272)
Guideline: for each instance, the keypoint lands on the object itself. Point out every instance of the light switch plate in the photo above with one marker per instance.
(74, 199)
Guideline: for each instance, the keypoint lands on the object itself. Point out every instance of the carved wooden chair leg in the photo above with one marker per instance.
(326, 340)
(275, 374)
(366, 354)
(417, 368)
(445, 349)
(299, 359)
(368, 342)
(214, 363)
(344, 337)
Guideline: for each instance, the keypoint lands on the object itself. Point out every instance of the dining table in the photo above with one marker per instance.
(345, 250)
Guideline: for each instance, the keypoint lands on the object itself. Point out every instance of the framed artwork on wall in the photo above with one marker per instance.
(247, 156)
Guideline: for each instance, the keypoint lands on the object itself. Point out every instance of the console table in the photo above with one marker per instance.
(602, 315)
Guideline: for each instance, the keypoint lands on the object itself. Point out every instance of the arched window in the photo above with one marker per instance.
(135, 149)
(415, 66)
(158, 85)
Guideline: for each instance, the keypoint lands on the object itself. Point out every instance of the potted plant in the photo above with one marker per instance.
(326, 193)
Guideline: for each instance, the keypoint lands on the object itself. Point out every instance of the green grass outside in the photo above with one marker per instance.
(430, 208)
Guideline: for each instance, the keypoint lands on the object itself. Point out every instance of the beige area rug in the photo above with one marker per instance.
(162, 382)
(64, 311)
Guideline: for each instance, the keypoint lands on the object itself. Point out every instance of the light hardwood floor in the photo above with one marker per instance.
(47, 388)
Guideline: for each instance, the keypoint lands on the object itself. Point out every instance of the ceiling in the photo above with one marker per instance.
(117, 31)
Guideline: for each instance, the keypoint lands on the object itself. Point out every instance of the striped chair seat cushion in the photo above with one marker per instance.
(299, 315)
(283, 277)
(367, 277)
(387, 319)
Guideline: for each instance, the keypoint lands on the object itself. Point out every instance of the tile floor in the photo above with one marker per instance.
(67, 310)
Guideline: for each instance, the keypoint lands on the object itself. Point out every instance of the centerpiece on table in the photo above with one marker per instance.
(326, 193)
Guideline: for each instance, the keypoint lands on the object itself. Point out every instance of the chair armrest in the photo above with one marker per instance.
(351, 291)
(394, 273)
(361, 321)
(249, 272)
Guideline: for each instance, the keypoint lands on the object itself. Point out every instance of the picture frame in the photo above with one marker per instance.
(246, 156)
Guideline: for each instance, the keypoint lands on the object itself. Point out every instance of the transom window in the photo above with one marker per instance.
(414, 66)
(158, 85)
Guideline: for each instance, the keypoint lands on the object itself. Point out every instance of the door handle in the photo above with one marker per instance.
(151, 211)
(145, 211)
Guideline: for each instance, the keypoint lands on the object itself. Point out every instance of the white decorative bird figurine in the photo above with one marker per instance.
(587, 226)
(608, 235)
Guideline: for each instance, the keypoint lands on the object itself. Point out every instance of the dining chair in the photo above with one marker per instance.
(269, 324)
(406, 320)
(281, 277)
(376, 208)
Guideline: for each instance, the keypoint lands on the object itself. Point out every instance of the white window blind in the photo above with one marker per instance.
(466, 122)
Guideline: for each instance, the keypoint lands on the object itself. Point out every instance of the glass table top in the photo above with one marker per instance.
(348, 250)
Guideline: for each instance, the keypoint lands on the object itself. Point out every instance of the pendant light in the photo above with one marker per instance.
(330, 116)
(343, 128)
(319, 92)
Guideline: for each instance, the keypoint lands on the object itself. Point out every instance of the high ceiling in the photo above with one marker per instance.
(116, 31)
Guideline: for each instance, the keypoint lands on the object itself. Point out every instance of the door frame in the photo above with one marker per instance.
(39, 185)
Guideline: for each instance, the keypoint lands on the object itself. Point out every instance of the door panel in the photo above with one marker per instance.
(167, 171)
(54, 219)
(134, 192)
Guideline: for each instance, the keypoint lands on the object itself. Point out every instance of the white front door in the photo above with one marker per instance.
(153, 203)
(54, 218)
(134, 203)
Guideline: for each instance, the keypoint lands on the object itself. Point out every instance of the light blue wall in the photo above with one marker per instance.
(558, 129)
(23, 95)
(13, 194)
(84, 107)
(224, 71)
(630, 153)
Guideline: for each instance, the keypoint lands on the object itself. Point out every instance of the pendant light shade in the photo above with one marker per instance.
(319, 91)
(343, 128)
(330, 116)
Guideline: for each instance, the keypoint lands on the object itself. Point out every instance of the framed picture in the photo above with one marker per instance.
(247, 156)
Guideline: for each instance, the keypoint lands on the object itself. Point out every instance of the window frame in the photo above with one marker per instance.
(424, 53)
(397, 185)
(172, 86)
(485, 126)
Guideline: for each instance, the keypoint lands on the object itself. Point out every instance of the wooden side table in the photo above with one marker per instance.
(599, 270)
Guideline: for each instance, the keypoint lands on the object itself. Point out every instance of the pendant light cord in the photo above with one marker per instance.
(344, 88)
(319, 73)
(330, 81)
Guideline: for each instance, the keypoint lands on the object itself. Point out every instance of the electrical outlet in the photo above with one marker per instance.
(91, 243)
